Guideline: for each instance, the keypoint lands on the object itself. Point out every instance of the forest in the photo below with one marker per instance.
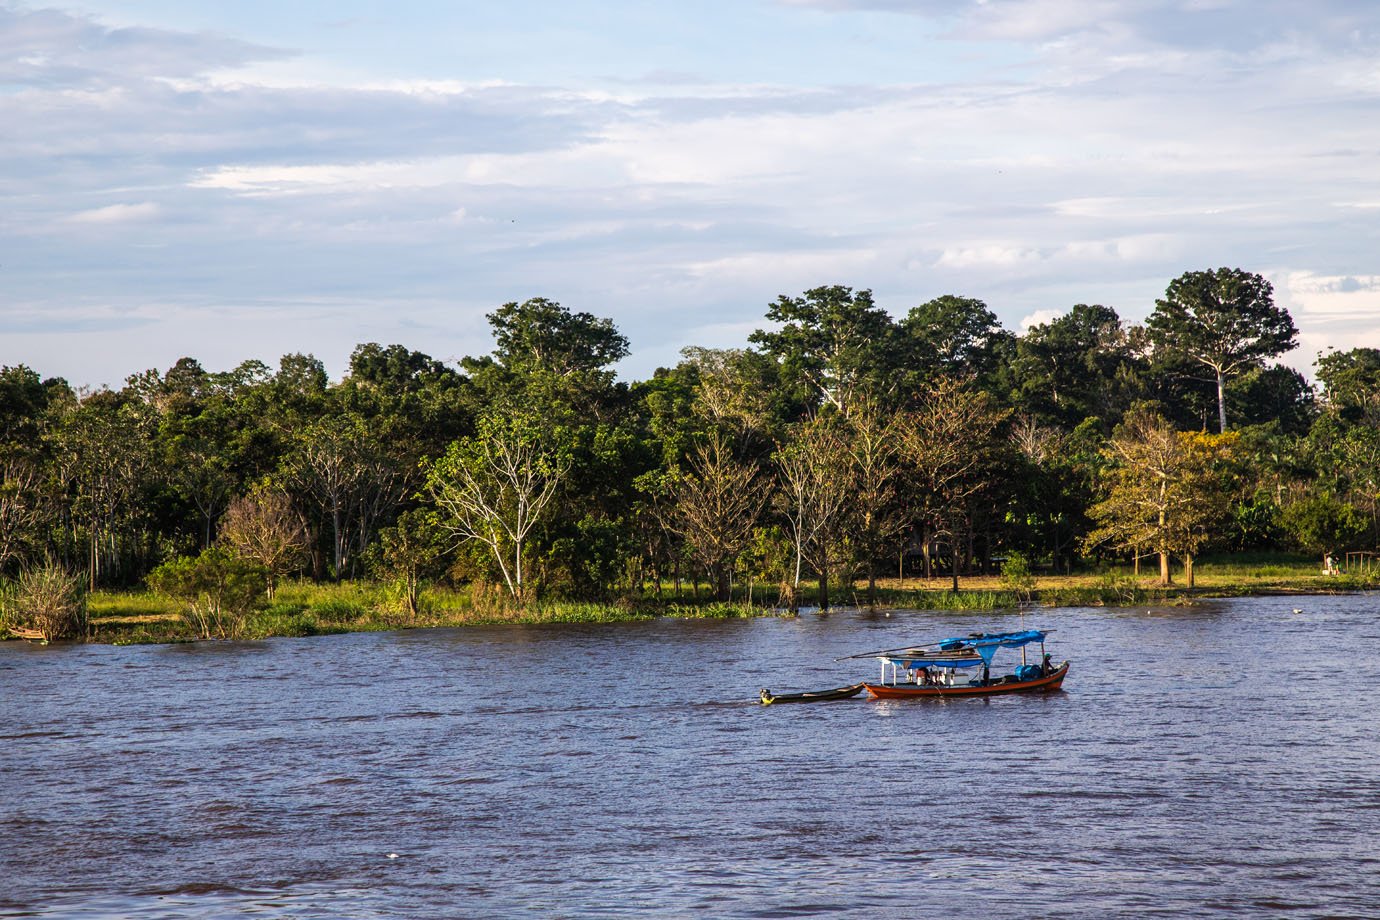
(843, 446)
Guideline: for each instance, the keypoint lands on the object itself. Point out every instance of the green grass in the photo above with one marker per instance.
(302, 608)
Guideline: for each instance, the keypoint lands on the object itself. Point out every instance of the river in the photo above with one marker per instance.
(1220, 760)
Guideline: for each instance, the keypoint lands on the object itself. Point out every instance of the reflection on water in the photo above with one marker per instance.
(1212, 761)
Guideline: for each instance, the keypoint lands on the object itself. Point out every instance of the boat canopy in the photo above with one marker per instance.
(964, 652)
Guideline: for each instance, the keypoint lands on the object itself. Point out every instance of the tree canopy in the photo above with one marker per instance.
(1225, 320)
(843, 445)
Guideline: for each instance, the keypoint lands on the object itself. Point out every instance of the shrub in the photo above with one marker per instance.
(49, 601)
(218, 589)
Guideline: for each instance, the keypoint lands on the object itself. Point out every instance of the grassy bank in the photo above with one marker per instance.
(305, 609)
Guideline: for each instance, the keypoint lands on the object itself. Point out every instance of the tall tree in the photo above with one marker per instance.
(327, 467)
(834, 339)
(877, 515)
(1225, 320)
(542, 334)
(1076, 366)
(1351, 383)
(952, 336)
(102, 451)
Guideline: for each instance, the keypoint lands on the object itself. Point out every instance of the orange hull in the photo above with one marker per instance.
(911, 691)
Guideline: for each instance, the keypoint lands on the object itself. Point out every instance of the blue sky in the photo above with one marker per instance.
(233, 181)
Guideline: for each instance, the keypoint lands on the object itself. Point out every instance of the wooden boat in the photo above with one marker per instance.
(812, 696)
(991, 688)
(962, 667)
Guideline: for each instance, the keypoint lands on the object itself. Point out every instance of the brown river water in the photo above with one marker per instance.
(1221, 760)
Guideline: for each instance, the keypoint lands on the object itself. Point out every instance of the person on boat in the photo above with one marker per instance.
(1045, 666)
(922, 676)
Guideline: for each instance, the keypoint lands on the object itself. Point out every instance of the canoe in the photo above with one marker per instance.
(812, 696)
(1049, 681)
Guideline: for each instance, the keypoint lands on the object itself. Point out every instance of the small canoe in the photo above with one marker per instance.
(812, 696)
(1049, 681)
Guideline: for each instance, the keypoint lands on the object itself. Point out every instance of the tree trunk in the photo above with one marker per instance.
(1165, 580)
(1188, 570)
(337, 542)
(824, 588)
(1221, 401)
(956, 546)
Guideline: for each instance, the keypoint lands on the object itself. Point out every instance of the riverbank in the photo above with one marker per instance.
(305, 609)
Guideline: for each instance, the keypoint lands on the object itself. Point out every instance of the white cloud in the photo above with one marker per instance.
(1039, 318)
(1334, 298)
(117, 214)
(1092, 159)
(988, 254)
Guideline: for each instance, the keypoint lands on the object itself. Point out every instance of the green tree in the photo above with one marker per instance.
(1351, 383)
(103, 460)
(952, 336)
(1017, 577)
(542, 334)
(411, 553)
(1077, 366)
(1275, 395)
(836, 341)
(1225, 320)
(1323, 524)
(494, 488)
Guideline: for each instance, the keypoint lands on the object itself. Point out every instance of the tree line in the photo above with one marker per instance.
(844, 444)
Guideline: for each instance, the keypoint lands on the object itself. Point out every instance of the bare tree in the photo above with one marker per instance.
(876, 518)
(717, 502)
(326, 466)
(265, 526)
(950, 441)
(20, 510)
(815, 485)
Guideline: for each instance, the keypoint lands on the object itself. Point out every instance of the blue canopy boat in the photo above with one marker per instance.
(951, 667)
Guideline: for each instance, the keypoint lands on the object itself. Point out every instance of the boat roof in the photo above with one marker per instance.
(979, 641)
(959, 651)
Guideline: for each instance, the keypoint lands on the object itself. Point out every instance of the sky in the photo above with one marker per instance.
(229, 181)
